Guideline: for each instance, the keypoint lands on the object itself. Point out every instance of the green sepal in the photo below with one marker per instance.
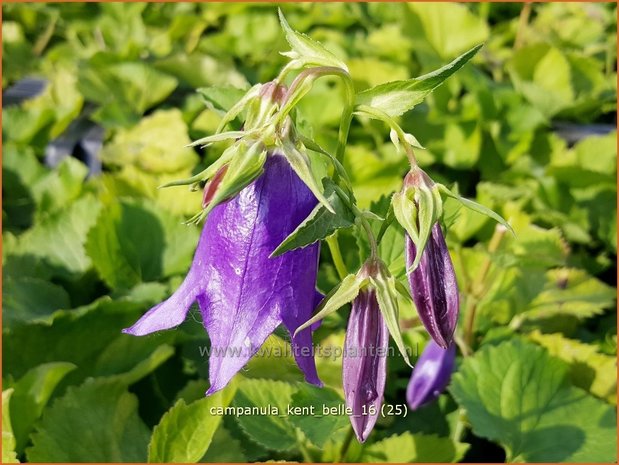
(477, 207)
(306, 51)
(320, 223)
(345, 292)
(220, 137)
(408, 138)
(239, 107)
(387, 296)
(417, 209)
(246, 164)
(300, 163)
(209, 172)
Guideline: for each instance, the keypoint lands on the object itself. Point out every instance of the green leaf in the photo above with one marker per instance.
(27, 299)
(125, 256)
(80, 336)
(125, 90)
(270, 428)
(144, 367)
(58, 240)
(97, 421)
(398, 97)
(318, 428)
(477, 208)
(225, 448)
(589, 369)
(185, 432)
(519, 396)
(320, 223)
(307, 51)
(220, 97)
(8, 439)
(300, 163)
(569, 291)
(345, 292)
(157, 144)
(387, 296)
(413, 448)
(31, 394)
(59, 187)
(450, 28)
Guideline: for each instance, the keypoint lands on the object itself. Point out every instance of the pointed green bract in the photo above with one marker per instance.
(405, 212)
(239, 106)
(300, 163)
(246, 165)
(209, 172)
(307, 51)
(398, 97)
(320, 223)
(345, 292)
(222, 136)
(387, 296)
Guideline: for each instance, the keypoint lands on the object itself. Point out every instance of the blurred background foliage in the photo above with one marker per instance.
(99, 101)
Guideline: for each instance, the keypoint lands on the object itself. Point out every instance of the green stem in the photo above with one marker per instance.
(346, 119)
(336, 254)
(477, 286)
(460, 427)
(345, 445)
(359, 216)
(307, 458)
(384, 117)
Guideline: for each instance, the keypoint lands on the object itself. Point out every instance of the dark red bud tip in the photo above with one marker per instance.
(417, 177)
(211, 187)
(273, 91)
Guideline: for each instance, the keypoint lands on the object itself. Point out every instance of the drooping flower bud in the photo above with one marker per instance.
(434, 287)
(243, 294)
(431, 375)
(430, 271)
(373, 318)
(364, 365)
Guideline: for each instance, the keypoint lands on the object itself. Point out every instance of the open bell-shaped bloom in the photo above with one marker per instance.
(431, 375)
(365, 362)
(434, 287)
(243, 294)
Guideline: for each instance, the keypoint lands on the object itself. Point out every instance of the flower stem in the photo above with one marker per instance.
(477, 288)
(336, 254)
(346, 118)
(345, 445)
(384, 117)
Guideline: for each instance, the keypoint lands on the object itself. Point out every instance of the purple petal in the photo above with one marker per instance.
(249, 294)
(242, 293)
(172, 312)
(434, 287)
(365, 363)
(431, 374)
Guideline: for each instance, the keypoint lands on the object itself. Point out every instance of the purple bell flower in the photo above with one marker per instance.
(365, 362)
(434, 287)
(431, 375)
(243, 294)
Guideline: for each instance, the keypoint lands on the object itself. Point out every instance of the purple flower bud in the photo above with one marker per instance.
(242, 293)
(365, 362)
(434, 287)
(431, 375)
